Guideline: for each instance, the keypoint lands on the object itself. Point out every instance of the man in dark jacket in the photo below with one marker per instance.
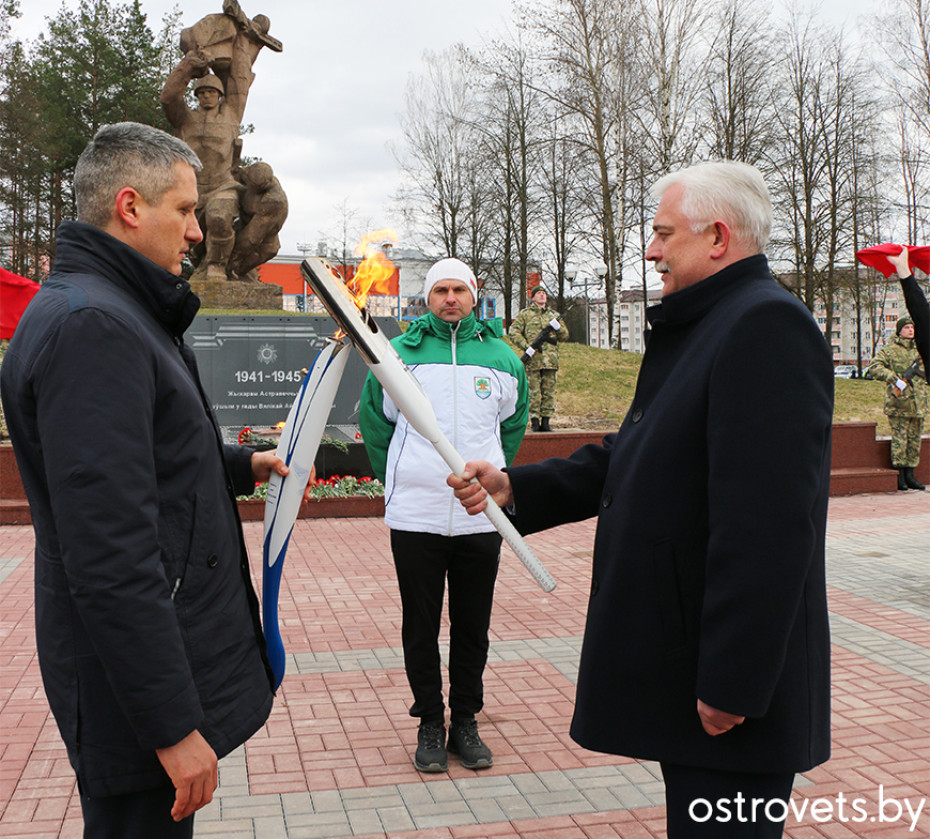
(707, 643)
(147, 625)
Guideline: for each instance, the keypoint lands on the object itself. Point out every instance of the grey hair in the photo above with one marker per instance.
(126, 154)
(728, 190)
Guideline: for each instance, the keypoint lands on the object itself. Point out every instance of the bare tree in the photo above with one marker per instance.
(436, 152)
(904, 32)
(672, 73)
(584, 67)
(912, 151)
(663, 81)
(563, 210)
(509, 126)
(345, 233)
(906, 37)
(736, 91)
(845, 115)
(797, 158)
(544, 145)
(866, 214)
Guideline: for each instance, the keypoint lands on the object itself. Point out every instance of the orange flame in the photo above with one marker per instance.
(375, 270)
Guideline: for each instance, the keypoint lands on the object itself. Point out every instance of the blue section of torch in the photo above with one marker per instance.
(271, 585)
(273, 566)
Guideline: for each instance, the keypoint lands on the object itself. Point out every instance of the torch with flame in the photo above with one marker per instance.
(346, 304)
(297, 447)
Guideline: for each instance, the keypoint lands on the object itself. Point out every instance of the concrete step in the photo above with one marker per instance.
(856, 479)
(15, 511)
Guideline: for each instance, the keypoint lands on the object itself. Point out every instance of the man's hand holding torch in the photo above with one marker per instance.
(264, 463)
(478, 480)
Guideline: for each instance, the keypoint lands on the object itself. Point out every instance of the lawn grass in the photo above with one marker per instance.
(596, 387)
(861, 400)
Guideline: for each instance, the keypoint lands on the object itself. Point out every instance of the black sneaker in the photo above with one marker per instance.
(431, 748)
(465, 742)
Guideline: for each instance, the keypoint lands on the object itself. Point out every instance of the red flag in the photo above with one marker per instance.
(15, 294)
(876, 257)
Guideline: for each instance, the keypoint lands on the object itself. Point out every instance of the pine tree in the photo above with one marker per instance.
(99, 63)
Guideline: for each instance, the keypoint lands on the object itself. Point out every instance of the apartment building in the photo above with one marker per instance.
(882, 303)
(629, 320)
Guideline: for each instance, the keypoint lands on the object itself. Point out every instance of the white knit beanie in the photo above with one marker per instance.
(451, 269)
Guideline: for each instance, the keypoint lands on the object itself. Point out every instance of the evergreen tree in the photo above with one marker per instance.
(98, 63)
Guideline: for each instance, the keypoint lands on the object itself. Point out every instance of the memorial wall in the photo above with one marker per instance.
(251, 368)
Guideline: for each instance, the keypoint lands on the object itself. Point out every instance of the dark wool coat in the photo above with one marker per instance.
(146, 621)
(919, 310)
(708, 573)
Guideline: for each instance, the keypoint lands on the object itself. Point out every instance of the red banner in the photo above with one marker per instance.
(15, 294)
(877, 257)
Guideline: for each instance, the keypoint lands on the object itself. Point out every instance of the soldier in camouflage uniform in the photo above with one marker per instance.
(905, 400)
(542, 368)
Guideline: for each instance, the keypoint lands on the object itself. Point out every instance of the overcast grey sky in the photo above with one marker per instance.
(326, 109)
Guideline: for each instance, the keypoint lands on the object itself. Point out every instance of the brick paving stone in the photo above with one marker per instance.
(335, 758)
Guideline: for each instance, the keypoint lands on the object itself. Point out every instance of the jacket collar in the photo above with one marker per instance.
(430, 324)
(84, 249)
(695, 301)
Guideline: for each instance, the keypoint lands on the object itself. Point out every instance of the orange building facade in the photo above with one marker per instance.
(288, 276)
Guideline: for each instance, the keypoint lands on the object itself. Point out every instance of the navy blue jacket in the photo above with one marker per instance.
(708, 575)
(146, 621)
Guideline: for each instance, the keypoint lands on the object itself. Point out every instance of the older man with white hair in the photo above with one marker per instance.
(478, 389)
(707, 643)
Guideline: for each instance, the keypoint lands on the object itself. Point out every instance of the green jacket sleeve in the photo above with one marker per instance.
(376, 429)
(514, 427)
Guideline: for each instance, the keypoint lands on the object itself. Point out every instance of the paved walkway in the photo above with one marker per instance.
(334, 759)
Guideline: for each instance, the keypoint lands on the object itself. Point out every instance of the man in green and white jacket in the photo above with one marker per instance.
(478, 389)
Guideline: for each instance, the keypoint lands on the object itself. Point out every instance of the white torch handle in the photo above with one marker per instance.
(502, 524)
(408, 394)
(523, 551)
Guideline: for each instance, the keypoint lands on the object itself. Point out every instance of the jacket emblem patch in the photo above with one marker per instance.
(482, 387)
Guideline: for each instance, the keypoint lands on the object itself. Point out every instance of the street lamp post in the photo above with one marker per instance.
(305, 248)
(571, 274)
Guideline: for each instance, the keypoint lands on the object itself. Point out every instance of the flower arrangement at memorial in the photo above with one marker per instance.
(336, 486)
(346, 486)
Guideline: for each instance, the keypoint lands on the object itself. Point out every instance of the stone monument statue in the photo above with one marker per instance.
(219, 51)
(262, 211)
